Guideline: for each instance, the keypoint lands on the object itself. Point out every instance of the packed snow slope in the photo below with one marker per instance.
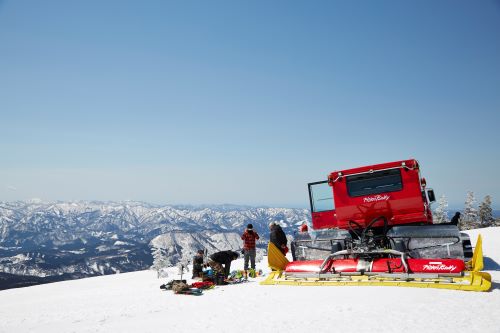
(133, 302)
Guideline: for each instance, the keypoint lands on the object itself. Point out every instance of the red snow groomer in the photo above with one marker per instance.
(373, 225)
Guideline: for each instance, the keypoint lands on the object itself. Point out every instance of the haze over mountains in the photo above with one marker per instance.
(43, 242)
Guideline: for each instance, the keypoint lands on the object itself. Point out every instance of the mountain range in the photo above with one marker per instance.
(52, 241)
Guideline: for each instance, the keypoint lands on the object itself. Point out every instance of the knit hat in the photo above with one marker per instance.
(249, 226)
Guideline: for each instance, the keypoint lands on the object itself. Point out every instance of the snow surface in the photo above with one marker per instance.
(133, 302)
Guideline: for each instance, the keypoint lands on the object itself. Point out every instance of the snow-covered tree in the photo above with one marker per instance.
(469, 218)
(160, 261)
(441, 211)
(183, 264)
(485, 212)
(182, 267)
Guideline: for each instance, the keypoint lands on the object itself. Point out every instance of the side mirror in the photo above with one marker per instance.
(431, 195)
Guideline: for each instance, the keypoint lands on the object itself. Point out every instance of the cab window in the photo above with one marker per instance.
(374, 183)
(321, 196)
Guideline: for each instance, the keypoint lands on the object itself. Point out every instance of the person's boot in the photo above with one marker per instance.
(245, 275)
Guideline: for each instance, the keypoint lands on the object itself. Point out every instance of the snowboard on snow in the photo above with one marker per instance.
(191, 291)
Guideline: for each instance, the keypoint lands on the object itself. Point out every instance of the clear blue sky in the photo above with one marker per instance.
(244, 101)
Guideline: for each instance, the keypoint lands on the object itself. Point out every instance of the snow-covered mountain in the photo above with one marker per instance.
(133, 302)
(61, 240)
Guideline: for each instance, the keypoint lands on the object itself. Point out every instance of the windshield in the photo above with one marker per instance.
(374, 183)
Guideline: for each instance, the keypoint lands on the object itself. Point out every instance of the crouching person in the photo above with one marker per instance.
(220, 262)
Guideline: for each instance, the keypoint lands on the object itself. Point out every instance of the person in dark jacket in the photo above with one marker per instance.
(198, 264)
(221, 261)
(278, 237)
(455, 219)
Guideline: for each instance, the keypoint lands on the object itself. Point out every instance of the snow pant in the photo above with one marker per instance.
(292, 245)
(249, 254)
(197, 271)
(216, 266)
(219, 272)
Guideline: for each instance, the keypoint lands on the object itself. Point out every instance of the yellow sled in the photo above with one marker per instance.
(472, 279)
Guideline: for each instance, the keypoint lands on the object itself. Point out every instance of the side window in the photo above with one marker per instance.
(321, 196)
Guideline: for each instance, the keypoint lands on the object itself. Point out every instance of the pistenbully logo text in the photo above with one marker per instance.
(439, 266)
(376, 198)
